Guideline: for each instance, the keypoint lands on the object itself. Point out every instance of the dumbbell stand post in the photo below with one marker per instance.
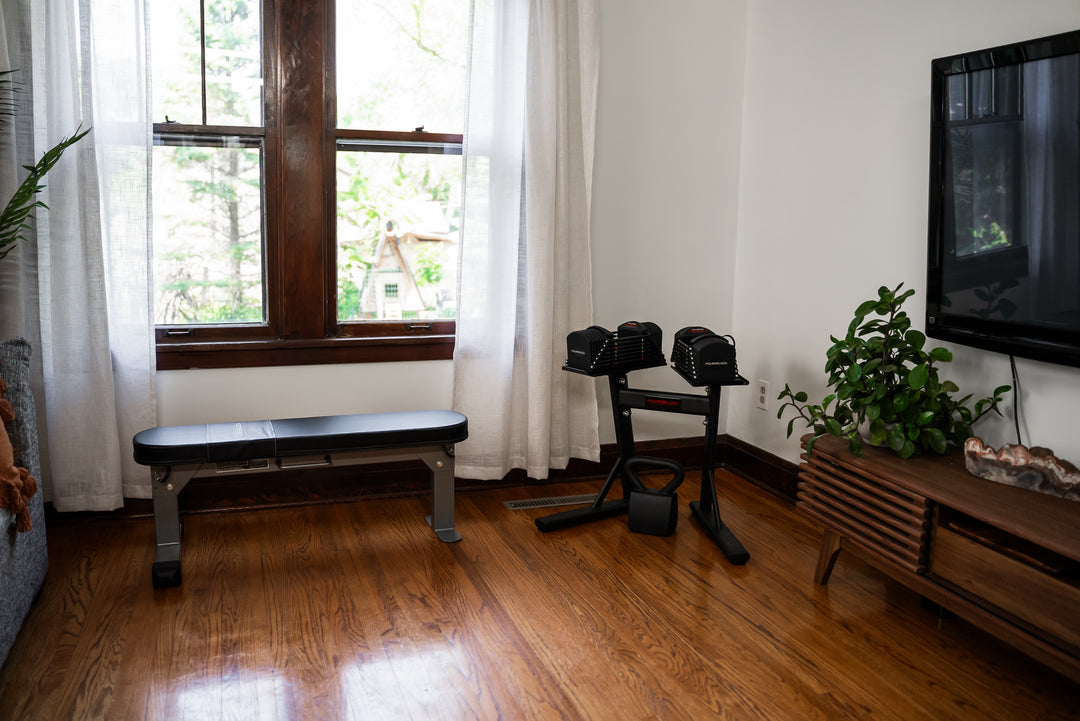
(625, 399)
(600, 508)
(706, 510)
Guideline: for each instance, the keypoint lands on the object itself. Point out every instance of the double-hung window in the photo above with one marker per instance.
(306, 179)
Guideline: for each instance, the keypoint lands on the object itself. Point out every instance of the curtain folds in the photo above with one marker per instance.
(84, 286)
(525, 271)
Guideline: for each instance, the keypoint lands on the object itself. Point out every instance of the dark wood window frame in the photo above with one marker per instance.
(300, 139)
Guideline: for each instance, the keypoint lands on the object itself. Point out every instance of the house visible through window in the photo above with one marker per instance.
(288, 186)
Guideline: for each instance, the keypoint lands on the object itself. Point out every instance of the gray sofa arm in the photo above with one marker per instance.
(23, 556)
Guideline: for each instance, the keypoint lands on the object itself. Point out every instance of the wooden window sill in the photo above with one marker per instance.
(261, 353)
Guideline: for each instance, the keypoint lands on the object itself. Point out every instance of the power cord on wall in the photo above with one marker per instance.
(1016, 397)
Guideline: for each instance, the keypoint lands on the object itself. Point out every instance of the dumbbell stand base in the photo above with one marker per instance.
(723, 537)
(577, 516)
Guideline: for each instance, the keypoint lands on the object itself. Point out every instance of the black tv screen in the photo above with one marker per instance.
(1004, 225)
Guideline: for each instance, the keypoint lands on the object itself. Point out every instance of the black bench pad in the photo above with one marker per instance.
(220, 442)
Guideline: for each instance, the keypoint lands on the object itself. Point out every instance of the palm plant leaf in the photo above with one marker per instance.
(8, 88)
(16, 215)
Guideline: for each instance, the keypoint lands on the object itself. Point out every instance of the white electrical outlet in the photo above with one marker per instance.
(763, 394)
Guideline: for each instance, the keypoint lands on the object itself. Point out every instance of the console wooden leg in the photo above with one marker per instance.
(830, 549)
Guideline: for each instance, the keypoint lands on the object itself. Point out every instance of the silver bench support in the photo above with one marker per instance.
(168, 481)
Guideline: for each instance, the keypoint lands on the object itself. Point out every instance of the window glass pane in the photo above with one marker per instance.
(401, 64)
(175, 62)
(208, 241)
(233, 62)
(398, 216)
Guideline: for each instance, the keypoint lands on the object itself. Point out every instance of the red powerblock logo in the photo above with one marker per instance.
(662, 402)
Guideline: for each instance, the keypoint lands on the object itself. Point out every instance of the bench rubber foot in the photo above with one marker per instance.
(446, 535)
(166, 574)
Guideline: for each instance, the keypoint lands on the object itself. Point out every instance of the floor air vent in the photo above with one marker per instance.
(580, 499)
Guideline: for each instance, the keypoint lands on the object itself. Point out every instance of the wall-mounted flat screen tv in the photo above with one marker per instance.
(1004, 225)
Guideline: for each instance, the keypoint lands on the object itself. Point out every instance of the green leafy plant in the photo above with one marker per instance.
(17, 213)
(882, 378)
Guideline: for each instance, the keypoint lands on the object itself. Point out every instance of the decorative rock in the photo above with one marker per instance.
(1035, 468)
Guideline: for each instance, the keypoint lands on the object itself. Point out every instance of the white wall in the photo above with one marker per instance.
(833, 192)
(236, 394)
(665, 193)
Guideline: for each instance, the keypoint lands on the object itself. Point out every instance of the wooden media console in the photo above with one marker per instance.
(1004, 558)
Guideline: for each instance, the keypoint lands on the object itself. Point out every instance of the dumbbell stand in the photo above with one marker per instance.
(623, 400)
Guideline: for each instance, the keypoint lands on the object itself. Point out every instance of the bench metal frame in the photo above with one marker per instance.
(169, 481)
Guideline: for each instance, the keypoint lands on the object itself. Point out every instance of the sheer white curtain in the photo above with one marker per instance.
(526, 276)
(84, 286)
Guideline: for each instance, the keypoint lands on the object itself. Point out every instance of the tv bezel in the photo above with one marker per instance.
(1018, 339)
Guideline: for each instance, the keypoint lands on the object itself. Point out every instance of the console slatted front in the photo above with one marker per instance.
(1005, 558)
(866, 508)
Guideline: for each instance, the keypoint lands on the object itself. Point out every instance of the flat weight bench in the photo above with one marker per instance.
(176, 454)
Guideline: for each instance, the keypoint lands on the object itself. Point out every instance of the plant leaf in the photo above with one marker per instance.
(864, 308)
(937, 440)
(896, 438)
(18, 209)
(878, 432)
(918, 375)
(907, 450)
(941, 354)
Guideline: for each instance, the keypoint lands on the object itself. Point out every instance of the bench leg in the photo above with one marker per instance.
(167, 485)
(441, 519)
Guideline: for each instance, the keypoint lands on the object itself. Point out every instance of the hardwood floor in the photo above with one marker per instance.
(357, 611)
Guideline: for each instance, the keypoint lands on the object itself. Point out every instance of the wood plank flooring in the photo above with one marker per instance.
(357, 611)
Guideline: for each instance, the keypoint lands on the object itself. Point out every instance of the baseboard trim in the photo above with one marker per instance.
(773, 473)
(412, 478)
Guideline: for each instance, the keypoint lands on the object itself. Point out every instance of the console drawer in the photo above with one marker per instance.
(1031, 594)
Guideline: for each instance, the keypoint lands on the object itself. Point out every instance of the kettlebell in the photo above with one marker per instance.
(652, 511)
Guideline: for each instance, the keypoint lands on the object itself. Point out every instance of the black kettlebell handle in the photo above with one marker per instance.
(630, 469)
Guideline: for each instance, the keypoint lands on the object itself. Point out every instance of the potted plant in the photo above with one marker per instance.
(885, 384)
(15, 352)
(13, 221)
